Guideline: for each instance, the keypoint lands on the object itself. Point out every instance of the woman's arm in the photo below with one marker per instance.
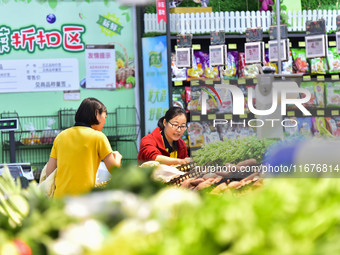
(171, 161)
(51, 166)
(113, 159)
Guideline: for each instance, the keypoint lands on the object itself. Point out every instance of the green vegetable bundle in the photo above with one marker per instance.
(232, 151)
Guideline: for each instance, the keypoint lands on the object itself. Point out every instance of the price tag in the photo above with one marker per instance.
(337, 37)
(335, 77)
(291, 113)
(273, 51)
(216, 55)
(211, 116)
(266, 45)
(335, 112)
(244, 116)
(225, 81)
(178, 83)
(255, 81)
(228, 116)
(196, 118)
(315, 46)
(241, 81)
(306, 78)
(332, 43)
(320, 78)
(209, 81)
(302, 44)
(194, 82)
(183, 57)
(253, 52)
(232, 46)
(196, 46)
(320, 112)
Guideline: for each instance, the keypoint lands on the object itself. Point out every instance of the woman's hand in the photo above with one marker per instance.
(113, 159)
(184, 161)
(118, 157)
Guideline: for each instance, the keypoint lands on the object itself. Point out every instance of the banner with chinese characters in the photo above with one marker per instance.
(48, 45)
(161, 10)
(155, 72)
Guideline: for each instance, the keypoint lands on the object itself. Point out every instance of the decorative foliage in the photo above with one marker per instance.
(266, 5)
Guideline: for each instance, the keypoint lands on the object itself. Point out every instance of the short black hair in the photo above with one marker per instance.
(86, 112)
(170, 114)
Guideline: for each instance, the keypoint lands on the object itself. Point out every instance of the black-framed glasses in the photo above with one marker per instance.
(176, 127)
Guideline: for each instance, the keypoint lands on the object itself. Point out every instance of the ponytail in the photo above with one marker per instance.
(160, 123)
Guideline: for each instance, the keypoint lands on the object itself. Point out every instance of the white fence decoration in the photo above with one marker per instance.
(236, 22)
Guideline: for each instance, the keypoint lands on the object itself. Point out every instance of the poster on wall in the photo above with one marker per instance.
(155, 72)
(38, 75)
(48, 46)
(100, 66)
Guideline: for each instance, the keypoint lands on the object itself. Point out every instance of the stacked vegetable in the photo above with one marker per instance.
(284, 216)
(232, 151)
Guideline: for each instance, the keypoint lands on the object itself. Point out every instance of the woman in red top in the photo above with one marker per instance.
(164, 143)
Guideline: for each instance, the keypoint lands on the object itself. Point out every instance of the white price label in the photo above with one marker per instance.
(216, 55)
(252, 52)
(315, 46)
(337, 37)
(183, 57)
(273, 51)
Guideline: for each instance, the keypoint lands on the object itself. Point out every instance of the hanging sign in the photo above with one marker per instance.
(217, 55)
(273, 50)
(217, 49)
(183, 57)
(184, 50)
(254, 52)
(316, 46)
(161, 10)
(254, 34)
(273, 32)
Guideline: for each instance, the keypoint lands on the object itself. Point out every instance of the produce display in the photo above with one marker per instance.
(232, 151)
(277, 217)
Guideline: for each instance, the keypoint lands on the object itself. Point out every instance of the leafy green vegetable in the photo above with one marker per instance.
(232, 151)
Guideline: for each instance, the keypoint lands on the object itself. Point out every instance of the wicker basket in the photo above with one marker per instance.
(126, 71)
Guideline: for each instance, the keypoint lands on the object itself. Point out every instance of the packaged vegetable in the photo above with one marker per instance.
(333, 94)
(287, 66)
(230, 70)
(177, 74)
(318, 66)
(333, 60)
(319, 126)
(226, 98)
(305, 126)
(310, 87)
(333, 125)
(300, 64)
(178, 97)
(197, 69)
(210, 133)
(319, 88)
(291, 127)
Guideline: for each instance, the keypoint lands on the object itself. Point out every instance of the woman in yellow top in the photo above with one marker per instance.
(78, 150)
